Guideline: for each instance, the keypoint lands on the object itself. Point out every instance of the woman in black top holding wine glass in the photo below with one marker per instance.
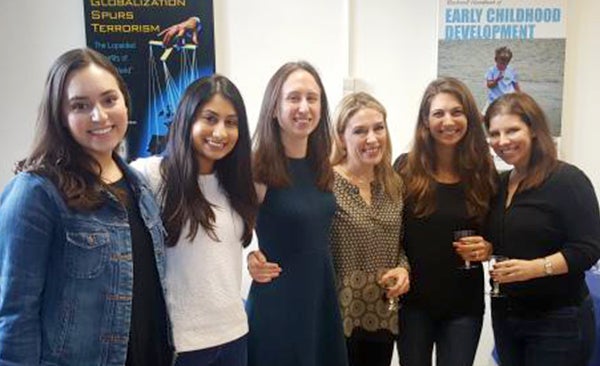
(545, 219)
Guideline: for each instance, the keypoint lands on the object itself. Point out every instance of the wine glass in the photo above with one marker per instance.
(393, 303)
(495, 291)
(458, 235)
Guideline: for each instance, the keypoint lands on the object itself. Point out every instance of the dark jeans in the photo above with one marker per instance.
(363, 352)
(234, 353)
(455, 339)
(564, 336)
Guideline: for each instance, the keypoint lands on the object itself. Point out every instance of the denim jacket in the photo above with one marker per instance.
(66, 277)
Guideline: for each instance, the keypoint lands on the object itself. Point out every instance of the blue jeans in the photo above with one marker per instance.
(455, 339)
(234, 353)
(564, 336)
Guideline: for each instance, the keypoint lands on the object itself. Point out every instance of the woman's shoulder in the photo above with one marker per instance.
(147, 165)
(568, 174)
(149, 168)
(564, 168)
(342, 187)
(261, 191)
(30, 182)
(27, 189)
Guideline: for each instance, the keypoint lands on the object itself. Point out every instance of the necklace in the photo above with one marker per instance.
(354, 179)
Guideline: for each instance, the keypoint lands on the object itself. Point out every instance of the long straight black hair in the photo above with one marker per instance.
(182, 198)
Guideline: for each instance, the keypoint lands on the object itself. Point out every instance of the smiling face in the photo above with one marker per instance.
(299, 109)
(511, 139)
(365, 138)
(447, 120)
(214, 132)
(502, 61)
(94, 110)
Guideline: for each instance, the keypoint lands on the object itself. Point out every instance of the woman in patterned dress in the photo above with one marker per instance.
(370, 263)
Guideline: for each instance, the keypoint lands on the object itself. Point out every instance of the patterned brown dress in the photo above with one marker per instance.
(365, 242)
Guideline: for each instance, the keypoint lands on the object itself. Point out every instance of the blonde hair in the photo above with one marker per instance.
(346, 109)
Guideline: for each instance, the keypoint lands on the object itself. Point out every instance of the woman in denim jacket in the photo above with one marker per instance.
(79, 230)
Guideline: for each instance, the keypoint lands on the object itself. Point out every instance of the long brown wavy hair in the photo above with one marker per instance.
(472, 160)
(55, 154)
(543, 159)
(347, 108)
(270, 162)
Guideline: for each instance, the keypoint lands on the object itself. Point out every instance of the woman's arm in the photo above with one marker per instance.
(260, 269)
(27, 221)
(399, 276)
(580, 218)
(261, 191)
(518, 270)
(578, 213)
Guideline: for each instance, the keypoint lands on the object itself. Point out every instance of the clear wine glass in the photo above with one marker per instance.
(495, 291)
(458, 235)
(393, 303)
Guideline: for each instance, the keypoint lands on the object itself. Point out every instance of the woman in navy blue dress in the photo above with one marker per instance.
(292, 307)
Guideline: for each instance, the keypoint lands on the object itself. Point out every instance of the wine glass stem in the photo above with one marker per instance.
(496, 289)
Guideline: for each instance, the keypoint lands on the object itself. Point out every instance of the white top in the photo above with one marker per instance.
(203, 277)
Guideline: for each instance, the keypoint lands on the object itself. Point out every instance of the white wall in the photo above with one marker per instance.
(394, 57)
(388, 46)
(253, 42)
(581, 120)
(35, 33)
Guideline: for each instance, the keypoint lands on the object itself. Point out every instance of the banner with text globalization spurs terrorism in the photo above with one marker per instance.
(471, 33)
(159, 47)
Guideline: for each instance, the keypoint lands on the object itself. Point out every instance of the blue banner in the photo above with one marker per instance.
(159, 47)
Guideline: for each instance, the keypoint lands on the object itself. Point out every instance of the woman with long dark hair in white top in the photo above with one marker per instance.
(204, 184)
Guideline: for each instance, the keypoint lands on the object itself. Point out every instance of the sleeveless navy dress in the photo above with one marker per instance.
(295, 320)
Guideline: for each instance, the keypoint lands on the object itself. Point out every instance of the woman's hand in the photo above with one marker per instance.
(260, 270)
(517, 270)
(473, 248)
(400, 279)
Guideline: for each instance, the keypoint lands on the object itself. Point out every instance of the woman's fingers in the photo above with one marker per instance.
(472, 248)
(261, 270)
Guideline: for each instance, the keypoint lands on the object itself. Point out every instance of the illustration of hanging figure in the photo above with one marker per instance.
(177, 67)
